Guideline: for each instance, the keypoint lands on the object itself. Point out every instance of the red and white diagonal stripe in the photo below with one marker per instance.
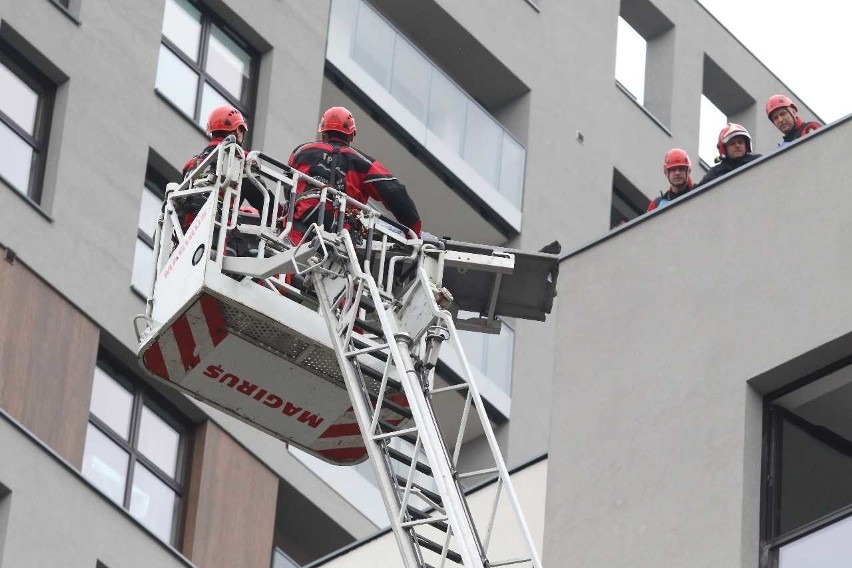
(342, 442)
(191, 337)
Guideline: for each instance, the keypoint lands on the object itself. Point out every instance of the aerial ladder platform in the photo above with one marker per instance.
(332, 344)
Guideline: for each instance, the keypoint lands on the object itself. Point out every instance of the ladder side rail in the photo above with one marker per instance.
(433, 445)
(479, 406)
(362, 411)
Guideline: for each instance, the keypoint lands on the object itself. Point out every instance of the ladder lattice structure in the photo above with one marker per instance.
(217, 319)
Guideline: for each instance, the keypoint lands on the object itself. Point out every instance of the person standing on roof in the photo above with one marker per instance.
(734, 147)
(677, 169)
(335, 162)
(782, 112)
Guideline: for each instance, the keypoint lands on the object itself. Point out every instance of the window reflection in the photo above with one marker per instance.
(182, 25)
(176, 81)
(228, 63)
(111, 403)
(105, 464)
(18, 100)
(15, 159)
(152, 502)
(158, 441)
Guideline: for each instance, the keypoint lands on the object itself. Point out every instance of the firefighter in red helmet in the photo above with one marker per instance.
(222, 122)
(333, 160)
(782, 112)
(677, 169)
(734, 145)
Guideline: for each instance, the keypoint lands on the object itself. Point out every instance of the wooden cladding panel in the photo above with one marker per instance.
(230, 509)
(48, 351)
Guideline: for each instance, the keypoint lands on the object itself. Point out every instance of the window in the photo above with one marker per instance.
(807, 479)
(722, 100)
(26, 101)
(627, 201)
(710, 123)
(202, 63)
(630, 54)
(644, 60)
(149, 213)
(133, 452)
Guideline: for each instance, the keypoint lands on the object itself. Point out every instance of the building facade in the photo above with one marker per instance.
(509, 125)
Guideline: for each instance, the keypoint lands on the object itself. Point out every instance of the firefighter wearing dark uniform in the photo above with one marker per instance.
(335, 162)
(782, 112)
(677, 169)
(222, 122)
(734, 147)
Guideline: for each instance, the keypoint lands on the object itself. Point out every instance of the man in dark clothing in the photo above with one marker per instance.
(676, 168)
(334, 161)
(222, 122)
(782, 112)
(734, 151)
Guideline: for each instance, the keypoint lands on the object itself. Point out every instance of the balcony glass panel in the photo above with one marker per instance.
(447, 107)
(483, 142)
(410, 81)
(491, 355)
(432, 108)
(373, 46)
(829, 547)
(512, 170)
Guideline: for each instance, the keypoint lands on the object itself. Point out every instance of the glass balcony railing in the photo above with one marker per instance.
(433, 109)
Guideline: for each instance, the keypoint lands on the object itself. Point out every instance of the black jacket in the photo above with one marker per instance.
(727, 165)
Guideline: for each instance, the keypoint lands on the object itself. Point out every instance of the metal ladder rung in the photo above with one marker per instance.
(391, 428)
(366, 350)
(509, 562)
(452, 556)
(428, 494)
(394, 434)
(450, 388)
(401, 457)
(478, 472)
(424, 519)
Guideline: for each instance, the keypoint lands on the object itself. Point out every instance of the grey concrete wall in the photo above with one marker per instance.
(567, 58)
(55, 518)
(667, 330)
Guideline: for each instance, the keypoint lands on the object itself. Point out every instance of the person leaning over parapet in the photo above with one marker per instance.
(782, 112)
(734, 147)
(677, 169)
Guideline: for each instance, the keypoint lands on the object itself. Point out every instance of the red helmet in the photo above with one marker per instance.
(674, 158)
(779, 101)
(337, 119)
(731, 131)
(225, 119)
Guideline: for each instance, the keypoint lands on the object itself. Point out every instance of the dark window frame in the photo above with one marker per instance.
(145, 396)
(208, 20)
(40, 139)
(771, 539)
